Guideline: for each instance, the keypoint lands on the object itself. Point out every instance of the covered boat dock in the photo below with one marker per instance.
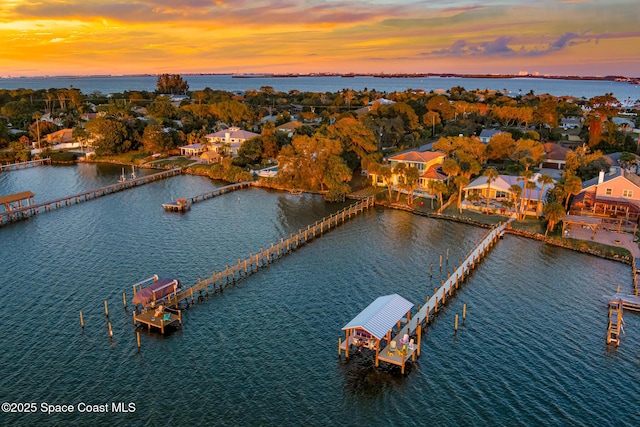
(375, 325)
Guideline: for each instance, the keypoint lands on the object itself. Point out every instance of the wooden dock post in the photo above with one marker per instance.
(419, 330)
(138, 338)
(447, 255)
(106, 308)
(464, 311)
(81, 320)
(110, 330)
(455, 326)
(124, 300)
(431, 270)
(339, 344)
(440, 261)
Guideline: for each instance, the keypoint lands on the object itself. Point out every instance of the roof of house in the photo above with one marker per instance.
(555, 151)
(381, 315)
(417, 156)
(208, 155)
(193, 146)
(233, 132)
(631, 177)
(434, 172)
(293, 125)
(488, 133)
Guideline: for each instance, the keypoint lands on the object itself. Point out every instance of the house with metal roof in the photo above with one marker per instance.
(499, 190)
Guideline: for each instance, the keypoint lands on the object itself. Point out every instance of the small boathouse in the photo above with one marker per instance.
(373, 327)
(154, 299)
(17, 201)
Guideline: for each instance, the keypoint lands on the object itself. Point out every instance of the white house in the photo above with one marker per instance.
(229, 140)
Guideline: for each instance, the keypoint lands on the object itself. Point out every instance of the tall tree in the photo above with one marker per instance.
(172, 84)
(544, 180)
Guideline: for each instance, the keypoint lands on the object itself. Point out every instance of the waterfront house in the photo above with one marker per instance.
(421, 160)
(611, 195)
(499, 191)
(228, 141)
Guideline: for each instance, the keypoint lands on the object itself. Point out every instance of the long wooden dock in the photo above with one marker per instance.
(220, 191)
(29, 211)
(263, 258)
(188, 201)
(413, 324)
(25, 165)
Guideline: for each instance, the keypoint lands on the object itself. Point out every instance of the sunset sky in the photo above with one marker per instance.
(79, 37)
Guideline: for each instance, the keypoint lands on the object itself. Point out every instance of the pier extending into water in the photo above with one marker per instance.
(184, 203)
(34, 209)
(25, 165)
(251, 264)
(413, 324)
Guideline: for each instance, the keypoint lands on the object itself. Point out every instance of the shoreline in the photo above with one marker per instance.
(554, 241)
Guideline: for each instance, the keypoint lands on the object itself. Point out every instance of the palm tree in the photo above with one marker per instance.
(516, 193)
(412, 176)
(544, 180)
(572, 186)
(461, 182)
(554, 212)
(386, 174)
(440, 187)
(400, 171)
(491, 175)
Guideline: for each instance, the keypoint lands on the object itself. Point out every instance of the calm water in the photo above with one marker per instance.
(264, 352)
(624, 92)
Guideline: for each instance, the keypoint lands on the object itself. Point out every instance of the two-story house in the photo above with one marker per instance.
(228, 141)
(615, 194)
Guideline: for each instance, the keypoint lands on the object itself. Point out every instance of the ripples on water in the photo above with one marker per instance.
(531, 351)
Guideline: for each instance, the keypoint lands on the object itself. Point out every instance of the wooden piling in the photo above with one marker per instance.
(106, 308)
(440, 261)
(455, 326)
(81, 320)
(138, 338)
(124, 299)
(110, 330)
(464, 311)
(447, 255)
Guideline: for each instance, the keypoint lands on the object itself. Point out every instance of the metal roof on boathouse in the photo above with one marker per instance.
(381, 315)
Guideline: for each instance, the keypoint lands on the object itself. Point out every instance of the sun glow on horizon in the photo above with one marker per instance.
(336, 36)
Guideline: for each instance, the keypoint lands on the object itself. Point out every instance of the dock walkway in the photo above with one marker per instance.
(24, 165)
(28, 211)
(445, 291)
(219, 191)
(264, 257)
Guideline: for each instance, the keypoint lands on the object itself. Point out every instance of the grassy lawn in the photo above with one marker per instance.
(200, 167)
(128, 157)
(173, 162)
(532, 225)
